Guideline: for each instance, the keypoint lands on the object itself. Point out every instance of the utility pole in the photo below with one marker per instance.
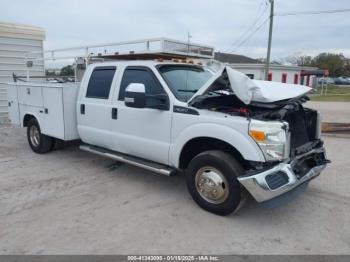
(267, 67)
(189, 36)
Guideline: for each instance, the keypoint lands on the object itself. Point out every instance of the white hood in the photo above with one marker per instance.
(248, 90)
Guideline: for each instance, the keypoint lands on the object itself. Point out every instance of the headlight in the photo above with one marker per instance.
(271, 137)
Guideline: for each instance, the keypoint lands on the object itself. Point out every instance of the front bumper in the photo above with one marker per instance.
(268, 184)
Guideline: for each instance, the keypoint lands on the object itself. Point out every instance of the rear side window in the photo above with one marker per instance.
(143, 76)
(100, 82)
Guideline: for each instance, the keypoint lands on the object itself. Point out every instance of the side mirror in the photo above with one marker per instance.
(135, 95)
(158, 101)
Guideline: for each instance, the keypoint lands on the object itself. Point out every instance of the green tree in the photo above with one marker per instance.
(67, 71)
(333, 62)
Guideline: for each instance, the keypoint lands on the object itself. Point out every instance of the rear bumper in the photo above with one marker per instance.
(268, 184)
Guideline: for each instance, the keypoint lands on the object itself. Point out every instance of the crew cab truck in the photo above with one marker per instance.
(228, 133)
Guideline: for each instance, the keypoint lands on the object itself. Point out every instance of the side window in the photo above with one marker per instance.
(143, 76)
(100, 82)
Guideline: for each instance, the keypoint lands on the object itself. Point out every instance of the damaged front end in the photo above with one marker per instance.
(287, 133)
(303, 157)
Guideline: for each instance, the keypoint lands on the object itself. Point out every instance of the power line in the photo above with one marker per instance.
(250, 35)
(256, 20)
(241, 42)
(314, 12)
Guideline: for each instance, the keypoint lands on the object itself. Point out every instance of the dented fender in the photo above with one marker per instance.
(239, 140)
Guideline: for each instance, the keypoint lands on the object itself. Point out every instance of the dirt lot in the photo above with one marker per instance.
(71, 202)
(338, 112)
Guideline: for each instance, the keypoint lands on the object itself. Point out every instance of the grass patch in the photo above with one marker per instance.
(333, 98)
(334, 93)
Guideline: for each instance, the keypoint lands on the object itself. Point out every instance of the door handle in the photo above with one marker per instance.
(114, 113)
(82, 109)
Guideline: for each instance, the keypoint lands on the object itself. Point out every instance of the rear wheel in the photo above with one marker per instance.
(38, 142)
(212, 182)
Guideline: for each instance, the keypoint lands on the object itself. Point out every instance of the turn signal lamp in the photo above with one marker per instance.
(258, 136)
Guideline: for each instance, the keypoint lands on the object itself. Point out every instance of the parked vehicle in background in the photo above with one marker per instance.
(325, 80)
(228, 134)
(342, 81)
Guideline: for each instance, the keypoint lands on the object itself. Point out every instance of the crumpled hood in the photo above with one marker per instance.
(248, 90)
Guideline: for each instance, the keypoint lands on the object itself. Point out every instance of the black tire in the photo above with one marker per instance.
(42, 143)
(228, 167)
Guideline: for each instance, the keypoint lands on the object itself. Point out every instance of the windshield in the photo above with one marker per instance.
(184, 80)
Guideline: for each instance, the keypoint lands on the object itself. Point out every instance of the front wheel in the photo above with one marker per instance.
(38, 142)
(212, 182)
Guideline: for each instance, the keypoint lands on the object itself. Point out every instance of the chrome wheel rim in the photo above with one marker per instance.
(34, 136)
(211, 185)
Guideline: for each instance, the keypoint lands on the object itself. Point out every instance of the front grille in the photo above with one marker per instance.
(303, 126)
(311, 123)
(277, 180)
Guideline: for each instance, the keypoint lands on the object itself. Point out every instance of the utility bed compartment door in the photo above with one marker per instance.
(52, 104)
(53, 123)
(59, 117)
(30, 95)
(13, 108)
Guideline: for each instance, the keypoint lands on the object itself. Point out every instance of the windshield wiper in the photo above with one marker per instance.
(186, 90)
(218, 92)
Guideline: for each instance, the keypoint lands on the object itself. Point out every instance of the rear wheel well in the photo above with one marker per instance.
(198, 145)
(26, 119)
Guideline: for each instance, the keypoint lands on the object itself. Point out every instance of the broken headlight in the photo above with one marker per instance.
(272, 138)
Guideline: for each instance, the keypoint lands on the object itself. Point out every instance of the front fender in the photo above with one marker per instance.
(240, 141)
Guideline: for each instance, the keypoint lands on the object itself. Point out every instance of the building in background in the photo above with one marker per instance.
(256, 69)
(15, 41)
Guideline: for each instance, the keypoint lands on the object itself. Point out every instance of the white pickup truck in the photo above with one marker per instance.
(228, 133)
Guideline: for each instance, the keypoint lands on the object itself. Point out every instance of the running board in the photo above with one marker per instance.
(135, 161)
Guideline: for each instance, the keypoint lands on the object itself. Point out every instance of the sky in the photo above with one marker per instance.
(219, 23)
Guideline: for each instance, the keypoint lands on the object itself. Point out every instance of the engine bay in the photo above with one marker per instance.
(303, 122)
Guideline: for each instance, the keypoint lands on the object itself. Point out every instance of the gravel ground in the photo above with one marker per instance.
(338, 112)
(72, 202)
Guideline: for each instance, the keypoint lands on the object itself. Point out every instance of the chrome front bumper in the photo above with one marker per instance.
(258, 186)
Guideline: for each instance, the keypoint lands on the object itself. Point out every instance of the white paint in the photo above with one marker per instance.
(52, 105)
(153, 134)
(136, 88)
(248, 90)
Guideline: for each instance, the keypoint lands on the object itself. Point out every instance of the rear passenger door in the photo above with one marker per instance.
(94, 110)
